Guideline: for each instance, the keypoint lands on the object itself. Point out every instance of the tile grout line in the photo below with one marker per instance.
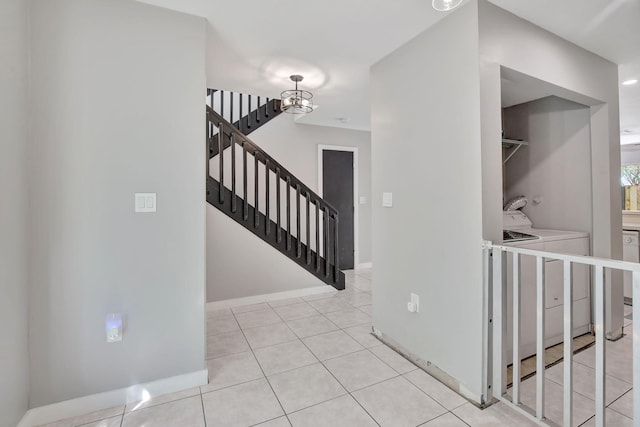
(204, 415)
(452, 413)
(262, 370)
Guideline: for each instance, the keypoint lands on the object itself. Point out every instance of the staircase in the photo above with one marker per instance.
(260, 194)
(231, 105)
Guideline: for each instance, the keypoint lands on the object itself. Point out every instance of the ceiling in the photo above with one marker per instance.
(333, 43)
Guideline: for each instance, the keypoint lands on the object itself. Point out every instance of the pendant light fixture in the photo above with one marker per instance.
(445, 5)
(296, 101)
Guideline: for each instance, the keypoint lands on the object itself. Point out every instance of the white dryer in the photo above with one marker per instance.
(519, 232)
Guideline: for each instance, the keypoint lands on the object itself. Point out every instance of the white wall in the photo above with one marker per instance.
(426, 151)
(556, 165)
(117, 108)
(295, 147)
(511, 42)
(14, 355)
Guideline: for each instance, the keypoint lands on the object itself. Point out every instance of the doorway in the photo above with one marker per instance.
(338, 185)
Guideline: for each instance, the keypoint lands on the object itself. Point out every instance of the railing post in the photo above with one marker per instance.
(317, 235)
(278, 227)
(245, 184)
(568, 344)
(231, 96)
(209, 138)
(256, 191)
(308, 228)
(288, 187)
(336, 250)
(267, 221)
(600, 347)
(233, 173)
(249, 113)
(221, 159)
(540, 328)
(326, 241)
(298, 236)
(499, 369)
(516, 329)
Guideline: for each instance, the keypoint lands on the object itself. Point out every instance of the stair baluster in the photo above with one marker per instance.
(298, 236)
(317, 237)
(266, 200)
(256, 192)
(278, 225)
(233, 173)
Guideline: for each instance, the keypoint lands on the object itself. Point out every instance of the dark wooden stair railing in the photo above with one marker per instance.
(242, 111)
(321, 261)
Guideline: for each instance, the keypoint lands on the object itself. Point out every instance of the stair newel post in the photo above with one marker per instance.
(241, 96)
(256, 191)
(298, 236)
(266, 108)
(336, 249)
(317, 235)
(233, 172)
(245, 195)
(278, 228)
(308, 228)
(326, 241)
(288, 187)
(221, 159)
(267, 222)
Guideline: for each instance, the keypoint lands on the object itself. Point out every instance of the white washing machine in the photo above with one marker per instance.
(519, 231)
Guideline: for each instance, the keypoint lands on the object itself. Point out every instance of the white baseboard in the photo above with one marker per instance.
(256, 299)
(109, 399)
(364, 265)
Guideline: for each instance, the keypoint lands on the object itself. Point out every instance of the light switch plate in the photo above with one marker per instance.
(387, 200)
(363, 200)
(145, 202)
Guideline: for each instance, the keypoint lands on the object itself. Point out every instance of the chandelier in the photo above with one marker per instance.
(296, 101)
(444, 5)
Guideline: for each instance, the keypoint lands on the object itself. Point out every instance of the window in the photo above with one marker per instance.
(630, 180)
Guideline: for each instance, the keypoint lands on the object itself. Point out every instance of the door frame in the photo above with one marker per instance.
(356, 210)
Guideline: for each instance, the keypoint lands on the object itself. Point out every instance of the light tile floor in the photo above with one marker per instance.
(618, 390)
(313, 361)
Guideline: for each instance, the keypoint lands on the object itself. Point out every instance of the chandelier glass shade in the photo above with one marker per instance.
(296, 101)
(445, 5)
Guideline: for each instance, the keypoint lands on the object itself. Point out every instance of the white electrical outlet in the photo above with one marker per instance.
(113, 326)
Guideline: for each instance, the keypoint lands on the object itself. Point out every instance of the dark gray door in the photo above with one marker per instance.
(337, 186)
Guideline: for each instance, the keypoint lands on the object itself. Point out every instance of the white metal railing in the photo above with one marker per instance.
(495, 263)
